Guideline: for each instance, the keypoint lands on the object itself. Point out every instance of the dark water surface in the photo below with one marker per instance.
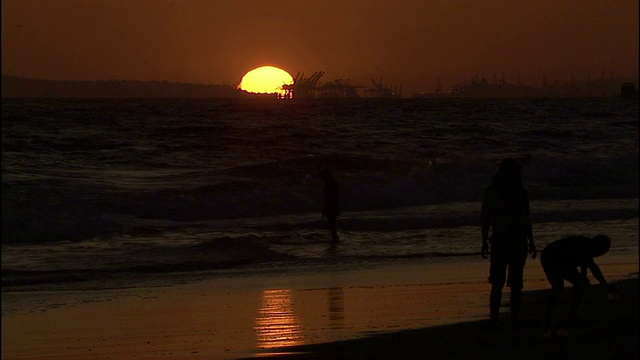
(107, 192)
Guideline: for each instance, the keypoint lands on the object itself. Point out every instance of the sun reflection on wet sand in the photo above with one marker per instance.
(276, 325)
(336, 308)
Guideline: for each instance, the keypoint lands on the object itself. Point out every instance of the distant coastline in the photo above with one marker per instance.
(481, 87)
(20, 87)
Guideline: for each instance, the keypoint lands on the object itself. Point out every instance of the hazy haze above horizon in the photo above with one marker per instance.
(408, 42)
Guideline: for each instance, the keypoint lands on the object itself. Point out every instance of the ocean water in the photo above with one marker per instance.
(117, 193)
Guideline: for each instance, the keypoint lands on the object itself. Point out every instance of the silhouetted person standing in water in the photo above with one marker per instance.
(331, 208)
(505, 210)
(560, 261)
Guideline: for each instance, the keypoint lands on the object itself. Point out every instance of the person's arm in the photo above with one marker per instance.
(486, 225)
(485, 238)
(583, 269)
(595, 270)
(583, 274)
(532, 246)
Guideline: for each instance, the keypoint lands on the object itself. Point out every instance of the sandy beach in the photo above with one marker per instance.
(609, 330)
(367, 313)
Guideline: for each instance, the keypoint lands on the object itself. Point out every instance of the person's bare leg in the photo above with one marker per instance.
(516, 299)
(552, 301)
(575, 300)
(333, 230)
(495, 298)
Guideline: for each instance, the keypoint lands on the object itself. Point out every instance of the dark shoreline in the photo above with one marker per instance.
(609, 330)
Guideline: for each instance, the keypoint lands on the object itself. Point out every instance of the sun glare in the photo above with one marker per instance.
(265, 80)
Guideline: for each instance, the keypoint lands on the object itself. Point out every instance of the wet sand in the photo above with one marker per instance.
(412, 310)
(608, 330)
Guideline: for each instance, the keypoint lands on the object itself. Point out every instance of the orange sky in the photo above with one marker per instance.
(409, 42)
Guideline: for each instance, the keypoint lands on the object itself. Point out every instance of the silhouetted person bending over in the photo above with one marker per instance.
(331, 208)
(560, 261)
(505, 210)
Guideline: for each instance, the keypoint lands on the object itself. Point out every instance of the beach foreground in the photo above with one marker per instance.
(410, 310)
(608, 330)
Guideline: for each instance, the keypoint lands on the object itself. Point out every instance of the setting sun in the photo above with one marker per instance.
(265, 80)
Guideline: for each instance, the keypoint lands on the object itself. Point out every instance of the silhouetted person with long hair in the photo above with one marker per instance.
(505, 211)
(331, 208)
(560, 261)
